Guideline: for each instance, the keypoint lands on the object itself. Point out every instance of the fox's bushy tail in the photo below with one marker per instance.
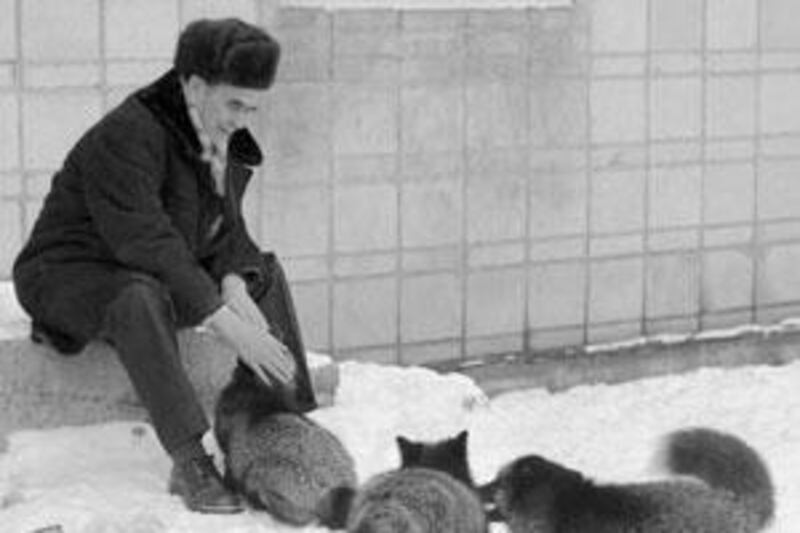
(724, 462)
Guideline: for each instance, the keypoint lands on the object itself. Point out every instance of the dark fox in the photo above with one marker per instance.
(281, 461)
(721, 486)
(431, 492)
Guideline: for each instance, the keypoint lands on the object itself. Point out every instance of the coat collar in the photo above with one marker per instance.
(164, 98)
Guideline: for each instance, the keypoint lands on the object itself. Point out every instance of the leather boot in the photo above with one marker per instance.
(200, 485)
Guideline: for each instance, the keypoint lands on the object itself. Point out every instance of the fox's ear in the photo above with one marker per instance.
(409, 451)
(460, 441)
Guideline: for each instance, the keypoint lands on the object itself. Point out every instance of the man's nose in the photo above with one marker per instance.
(240, 119)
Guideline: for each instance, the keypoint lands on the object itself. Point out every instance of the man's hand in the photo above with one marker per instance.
(235, 296)
(255, 345)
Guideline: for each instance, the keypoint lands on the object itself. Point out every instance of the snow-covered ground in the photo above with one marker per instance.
(111, 478)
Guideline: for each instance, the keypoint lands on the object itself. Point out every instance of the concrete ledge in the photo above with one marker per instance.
(562, 369)
(41, 388)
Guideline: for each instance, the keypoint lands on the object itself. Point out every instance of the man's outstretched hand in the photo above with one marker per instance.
(256, 346)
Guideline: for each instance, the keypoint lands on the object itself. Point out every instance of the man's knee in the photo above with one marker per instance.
(143, 294)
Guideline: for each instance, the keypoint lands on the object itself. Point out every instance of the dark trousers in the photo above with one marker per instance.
(141, 323)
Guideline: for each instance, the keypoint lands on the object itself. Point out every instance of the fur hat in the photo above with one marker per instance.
(227, 51)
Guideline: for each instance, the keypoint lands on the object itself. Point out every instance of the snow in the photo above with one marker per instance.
(14, 323)
(112, 477)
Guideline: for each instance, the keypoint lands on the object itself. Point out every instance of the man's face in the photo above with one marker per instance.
(224, 108)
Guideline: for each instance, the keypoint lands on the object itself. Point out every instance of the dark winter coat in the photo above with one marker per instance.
(133, 194)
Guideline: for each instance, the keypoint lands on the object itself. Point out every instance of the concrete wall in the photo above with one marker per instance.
(450, 183)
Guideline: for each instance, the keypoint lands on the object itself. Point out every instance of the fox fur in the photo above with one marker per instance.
(720, 485)
(431, 492)
(282, 462)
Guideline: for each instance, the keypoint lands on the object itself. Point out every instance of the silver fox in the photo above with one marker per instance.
(721, 486)
(431, 492)
(282, 461)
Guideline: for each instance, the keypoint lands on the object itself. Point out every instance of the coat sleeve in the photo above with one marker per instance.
(242, 256)
(123, 170)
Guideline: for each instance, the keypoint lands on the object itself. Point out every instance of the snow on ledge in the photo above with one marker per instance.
(427, 4)
(14, 323)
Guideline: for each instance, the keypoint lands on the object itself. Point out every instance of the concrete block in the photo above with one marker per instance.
(40, 388)
(674, 152)
(729, 193)
(498, 163)
(432, 118)
(361, 265)
(53, 121)
(676, 108)
(145, 29)
(608, 124)
(676, 24)
(558, 203)
(49, 30)
(475, 347)
(558, 109)
(365, 217)
(498, 254)
(364, 313)
(296, 219)
(431, 213)
(732, 24)
(430, 352)
(727, 280)
(8, 29)
(127, 73)
(689, 63)
(313, 304)
(777, 23)
(493, 115)
(616, 245)
(730, 105)
(298, 116)
(557, 295)
(619, 25)
(558, 249)
(611, 190)
(673, 240)
(366, 168)
(9, 131)
(615, 290)
(430, 307)
(779, 277)
(432, 166)
(364, 119)
(8, 75)
(739, 235)
(675, 197)
(62, 75)
(447, 258)
(778, 189)
(780, 111)
(495, 302)
(244, 9)
(366, 70)
(495, 209)
(673, 286)
(12, 183)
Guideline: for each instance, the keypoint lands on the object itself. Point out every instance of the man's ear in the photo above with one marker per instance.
(195, 89)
